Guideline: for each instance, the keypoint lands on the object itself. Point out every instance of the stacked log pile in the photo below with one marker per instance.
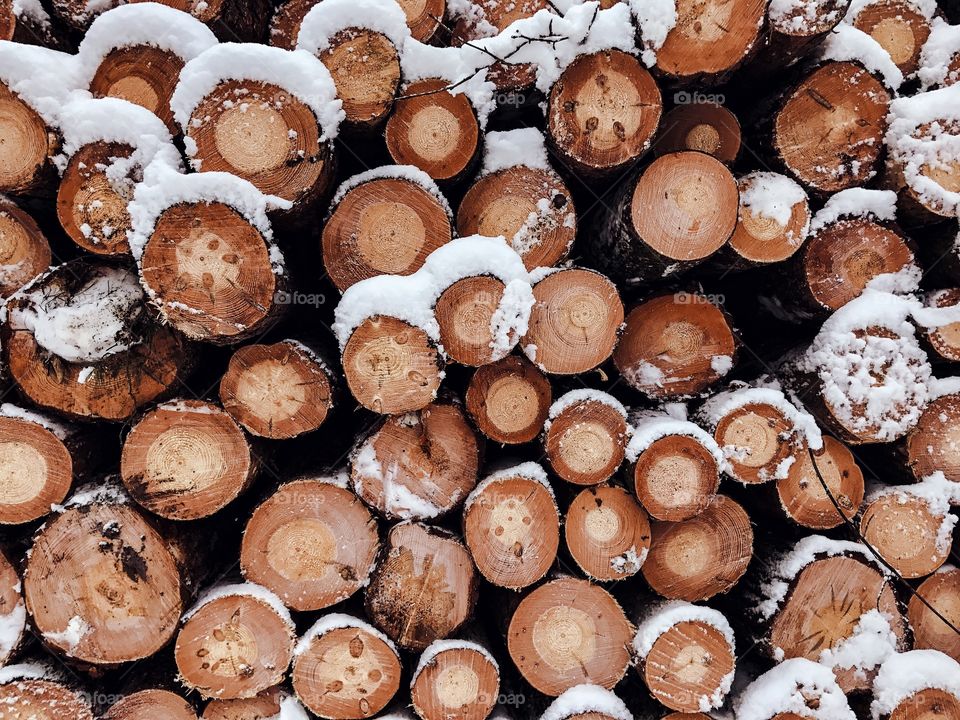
(467, 359)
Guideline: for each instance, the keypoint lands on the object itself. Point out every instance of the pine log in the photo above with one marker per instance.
(230, 20)
(927, 703)
(391, 366)
(676, 213)
(28, 148)
(264, 706)
(286, 21)
(575, 322)
(97, 550)
(707, 127)
(710, 40)
(509, 400)
(899, 26)
(434, 130)
(602, 113)
(585, 437)
(512, 527)
(365, 67)
(569, 632)
(424, 17)
(212, 273)
(151, 703)
(587, 702)
(701, 557)
(675, 346)
(761, 236)
(30, 694)
(607, 533)
(942, 591)
(829, 130)
(419, 465)
(530, 207)
(466, 312)
(24, 250)
(271, 139)
(186, 459)
(107, 373)
(932, 445)
(236, 642)
(455, 679)
(345, 669)
(92, 207)
(801, 493)
(687, 656)
(794, 31)
(424, 588)
(386, 225)
(944, 341)
(792, 685)
(910, 532)
(823, 607)
(312, 543)
(278, 391)
(13, 612)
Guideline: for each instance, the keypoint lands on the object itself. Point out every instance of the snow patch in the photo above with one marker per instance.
(510, 148)
(797, 686)
(584, 699)
(336, 621)
(847, 43)
(905, 674)
(327, 18)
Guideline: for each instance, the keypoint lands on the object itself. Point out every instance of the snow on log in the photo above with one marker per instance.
(795, 29)
(418, 465)
(40, 691)
(455, 676)
(940, 56)
(79, 339)
(509, 400)
(13, 612)
(796, 688)
(235, 642)
(277, 702)
(901, 27)
(587, 702)
(943, 341)
(917, 684)
(585, 436)
(607, 533)
(511, 526)
(675, 346)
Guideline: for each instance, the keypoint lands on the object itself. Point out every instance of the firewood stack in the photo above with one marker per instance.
(467, 359)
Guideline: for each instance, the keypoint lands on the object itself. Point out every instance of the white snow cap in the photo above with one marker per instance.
(938, 53)
(335, 621)
(649, 426)
(296, 71)
(44, 79)
(29, 671)
(439, 646)
(772, 195)
(528, 470)
(582, 395)
(655, 19)
(148, 23)
(582, 699)
(666, 615)
(856, 202)
(247, 589)
(848, 43)
(510, 148)
(410, 173)
(326, 19)
(798, 686)
(411, 298)
(907, 673)
(9, 410)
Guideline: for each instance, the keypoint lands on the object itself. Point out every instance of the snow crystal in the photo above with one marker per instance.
(848, 43)
(410, 173)
(247, 589)
(772, 195)
(655, 19)
(524, 146)
(629, 562)
(797, 686)
(939, 51)
(584, 699)
(336, 621)
(32, 9)
(856, 202)
(439, 646)
(148, 23)
(326, 19)
(665, 615)
(907, 673)
(13, 411)
(649, 426)
(296, 71)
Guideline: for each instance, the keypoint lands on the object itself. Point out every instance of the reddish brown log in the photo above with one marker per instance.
(801, 492)
(28, 697)
(906, 531)
(607, 533)
(461, 681)
(899, 27)
(942, 591)
(707, 127)
(760, 239)
(151, 703)
(286, 21)
(585, 441)
(509, 400)
(13, 612)
(28, 147)
(24, 250)
(264, 706)
(932, 444)
(230, 20)
(944, 340)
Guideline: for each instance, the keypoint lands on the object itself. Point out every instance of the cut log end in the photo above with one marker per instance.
(211, 273)
(932, 445)
(802, 495)
(13, 614)
(757, 440)
(263, 134)
(928, 704)
(899, 28)
(512, 528)
(569, 632)
(346, 672)
(434, 130)
(676, 478)
(942, 591)
(43, 700)
(312, 543)
(286, 21)
(26, 145)
(424, 17)
(688, 666)
(906, 532)
(265, 705)
(603, 111)
(829, 132)
(234, 647)
(151, 703)
(945, 340)
(458, 681)
(365, 67)
(761, 239)
(425, 587)
(384, 226)
(86, 558)
(277, 391)
(607, 533)
(585, 442)
(575, 322)
(93, 209)
(142, 75)
(24, 251)
(465, 313)
(675, 345)
(509, 400)
(419, 465)
(701, 557)
(186, 460)
(36, 470)
(702, 126)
